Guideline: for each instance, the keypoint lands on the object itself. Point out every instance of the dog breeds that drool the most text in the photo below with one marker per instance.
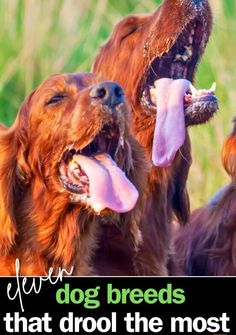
(67, 165)
(154, 57)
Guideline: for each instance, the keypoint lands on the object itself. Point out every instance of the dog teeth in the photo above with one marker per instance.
(186, 55)
(185, 58)
(153, 95)
(190, 39)
(73, 165)
(213, 88)
(178, 57)
(197, 93)
(189, 51)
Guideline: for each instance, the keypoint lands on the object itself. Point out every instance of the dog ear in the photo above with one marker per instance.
(14, 173)
(229, 156)
(180, 199)
(136, 167)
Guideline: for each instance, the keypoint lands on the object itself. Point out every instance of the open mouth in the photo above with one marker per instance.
(92, 176)
(180, 62)
(73, 177)
(199, 105)
(169, 95)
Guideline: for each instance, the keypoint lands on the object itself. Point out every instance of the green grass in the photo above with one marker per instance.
(39, 38)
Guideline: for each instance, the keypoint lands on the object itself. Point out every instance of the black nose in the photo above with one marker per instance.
(107, 93)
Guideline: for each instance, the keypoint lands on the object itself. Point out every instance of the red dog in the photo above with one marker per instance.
(62, 173)
(144, 54)
(207, 247)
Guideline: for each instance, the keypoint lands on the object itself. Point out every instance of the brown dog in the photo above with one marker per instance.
(207, 245)
(62, 173)
(144, 54)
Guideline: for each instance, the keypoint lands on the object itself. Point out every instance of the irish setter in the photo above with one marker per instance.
(154, 57)
(67, 164)
(207, 246)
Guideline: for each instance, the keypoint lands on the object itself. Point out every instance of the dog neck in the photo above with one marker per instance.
(55, 230)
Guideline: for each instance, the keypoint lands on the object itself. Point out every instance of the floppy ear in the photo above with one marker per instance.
(180, 200)
(136, 167)
(14, 174)
(229, 156)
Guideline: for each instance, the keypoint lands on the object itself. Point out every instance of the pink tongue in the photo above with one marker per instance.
(169, 134)
(108, 185)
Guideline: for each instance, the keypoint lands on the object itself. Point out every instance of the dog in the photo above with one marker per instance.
(206, 247)
(154, 57)
(67, 164)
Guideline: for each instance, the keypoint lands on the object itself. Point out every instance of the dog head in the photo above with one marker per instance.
(70, 140)
(155, 57)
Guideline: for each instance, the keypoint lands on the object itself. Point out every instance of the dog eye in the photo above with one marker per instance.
(55, 99)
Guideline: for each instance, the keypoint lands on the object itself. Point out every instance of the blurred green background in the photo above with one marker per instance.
(42, 37)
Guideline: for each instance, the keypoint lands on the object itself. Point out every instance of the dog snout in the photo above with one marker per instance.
(107, 93)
